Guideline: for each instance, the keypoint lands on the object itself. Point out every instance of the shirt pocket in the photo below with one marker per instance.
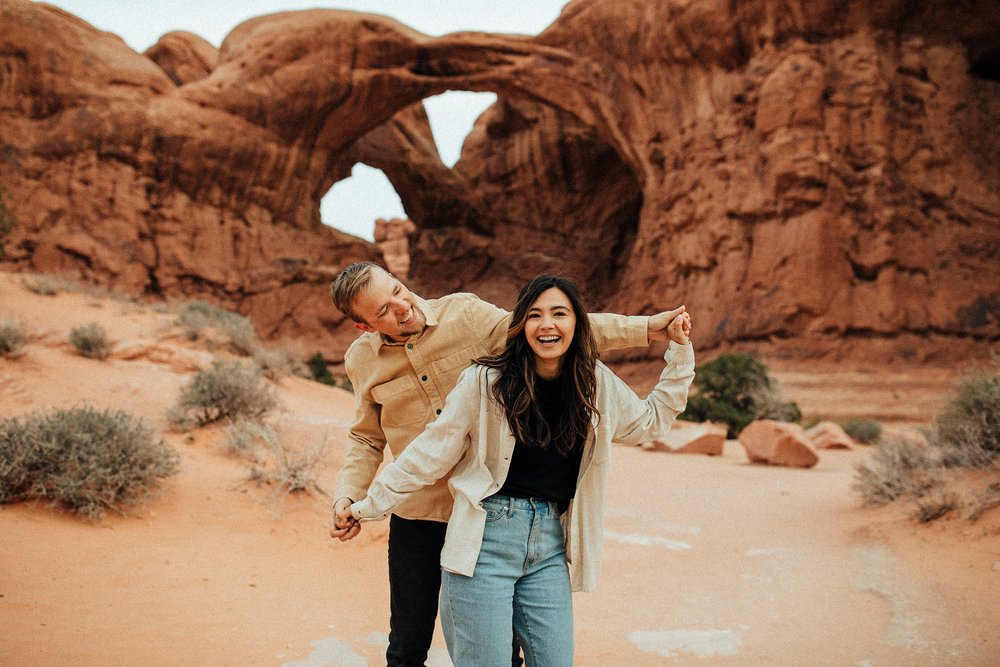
(401, 402)
(447, 369)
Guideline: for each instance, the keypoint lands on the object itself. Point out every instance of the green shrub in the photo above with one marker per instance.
(734, 389)
(7, 221)
(863, 430)
(238, 331)
(320, 370)
(83, 459)
(226, 390)
(13, 336)
(91, 340)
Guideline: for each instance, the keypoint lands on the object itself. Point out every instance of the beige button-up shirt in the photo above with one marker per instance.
(399, 388)
(472, 439)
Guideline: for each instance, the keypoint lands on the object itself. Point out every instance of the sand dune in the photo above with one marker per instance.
(708, 560)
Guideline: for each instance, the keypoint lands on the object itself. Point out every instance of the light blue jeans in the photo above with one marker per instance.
(521, 581)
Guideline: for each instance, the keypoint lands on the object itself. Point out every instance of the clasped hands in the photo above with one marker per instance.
(672, 325)
(343, 525)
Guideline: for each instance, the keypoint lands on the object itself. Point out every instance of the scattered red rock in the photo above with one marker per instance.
(706, 438)
(828, 435)
(778, 443)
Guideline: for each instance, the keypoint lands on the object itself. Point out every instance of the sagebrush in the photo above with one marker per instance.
(84, 459)
(91, 340)
(955, 466)
(227, 390)
(13, 336)
(238, 332)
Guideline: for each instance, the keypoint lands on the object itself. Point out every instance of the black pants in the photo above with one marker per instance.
(414, 588)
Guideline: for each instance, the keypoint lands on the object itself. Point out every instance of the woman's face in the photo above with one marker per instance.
(549, 330)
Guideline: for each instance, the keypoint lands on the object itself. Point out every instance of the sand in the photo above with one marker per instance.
(708, 560)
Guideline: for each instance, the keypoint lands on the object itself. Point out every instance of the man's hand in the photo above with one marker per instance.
(679, 329)
(343, 525)
(657, 327)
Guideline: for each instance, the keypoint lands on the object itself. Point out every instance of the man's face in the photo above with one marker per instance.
(388, 308)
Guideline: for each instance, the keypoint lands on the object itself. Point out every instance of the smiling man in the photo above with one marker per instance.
(402, 368)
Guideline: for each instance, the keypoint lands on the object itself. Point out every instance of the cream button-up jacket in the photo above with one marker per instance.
(473, 437)
(399, 388)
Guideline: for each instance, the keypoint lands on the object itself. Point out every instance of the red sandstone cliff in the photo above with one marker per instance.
(809, 178)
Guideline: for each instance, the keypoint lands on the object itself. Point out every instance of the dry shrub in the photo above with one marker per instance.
(237, 331)
(289, 470)
(226, 390)
(83, 459)
(863, 430)
(276, 363)
(13, 336)
(91, 340)
(47, 284)
(962, 455)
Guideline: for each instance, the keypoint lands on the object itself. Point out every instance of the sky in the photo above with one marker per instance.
(353, 204)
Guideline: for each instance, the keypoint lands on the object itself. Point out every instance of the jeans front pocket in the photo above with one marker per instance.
(494, 510)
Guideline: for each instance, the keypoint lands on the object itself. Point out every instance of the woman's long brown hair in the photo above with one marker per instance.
(515, 388)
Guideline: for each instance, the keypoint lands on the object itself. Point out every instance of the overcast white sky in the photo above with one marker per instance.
(354, 203)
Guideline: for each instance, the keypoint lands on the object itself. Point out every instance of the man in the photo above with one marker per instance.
(402, 369)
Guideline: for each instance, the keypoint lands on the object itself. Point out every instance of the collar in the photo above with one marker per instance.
(378, 340)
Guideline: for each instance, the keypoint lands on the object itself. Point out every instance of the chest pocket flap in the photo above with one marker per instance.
(400, 400)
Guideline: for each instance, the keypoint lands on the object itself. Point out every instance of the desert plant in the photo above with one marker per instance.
(47, 284)
(987, 499)
(735, 389)
(863, 430)
(13, 336)
(226, 390)
(82, 458)
(319, 369)
(90, 340)
(898, 468)
(291, 471)
(248, 437)
(968, 429)
(238, 331)
(276, 363)
(7, 221)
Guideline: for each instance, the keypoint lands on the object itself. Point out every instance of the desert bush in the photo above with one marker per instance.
(735, 389)
(290, 470)
(987, 499)
(13, 336)
(7, 221)
(863, 430)
(83, 459)
(49, 285)
(196, 316)
(90, 340)
(226, 390)
(897, 468)
(319, 369)
(968, 429)
(276, 363)
(248, 437)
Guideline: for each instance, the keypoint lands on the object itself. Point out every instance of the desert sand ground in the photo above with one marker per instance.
(709, 560)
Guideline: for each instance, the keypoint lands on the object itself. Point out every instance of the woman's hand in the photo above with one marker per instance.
(343, 525)
(679, 328)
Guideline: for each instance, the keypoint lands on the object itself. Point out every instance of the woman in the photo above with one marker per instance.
(528, 433)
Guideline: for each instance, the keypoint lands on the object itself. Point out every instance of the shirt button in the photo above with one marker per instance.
(409, 346)
(424, 378)
(438, 411)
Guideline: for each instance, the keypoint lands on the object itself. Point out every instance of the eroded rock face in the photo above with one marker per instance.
(808, 178)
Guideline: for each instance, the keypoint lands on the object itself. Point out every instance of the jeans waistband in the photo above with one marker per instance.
(514, 502)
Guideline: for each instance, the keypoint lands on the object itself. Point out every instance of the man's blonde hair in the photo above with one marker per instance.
(351, 282)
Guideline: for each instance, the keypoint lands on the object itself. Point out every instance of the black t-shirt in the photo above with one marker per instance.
(537, 472)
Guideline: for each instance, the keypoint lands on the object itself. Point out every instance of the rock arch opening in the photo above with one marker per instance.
(354, 204)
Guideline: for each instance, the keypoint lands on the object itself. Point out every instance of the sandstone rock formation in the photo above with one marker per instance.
(777, 443)
(810, 179)
(393, 239)
(707, 438)
(828, 435)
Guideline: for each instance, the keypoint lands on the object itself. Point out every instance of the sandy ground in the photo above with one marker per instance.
(709, 561)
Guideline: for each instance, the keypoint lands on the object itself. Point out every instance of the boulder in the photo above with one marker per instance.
(706, 438)
(778, 443)
(828, 435)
